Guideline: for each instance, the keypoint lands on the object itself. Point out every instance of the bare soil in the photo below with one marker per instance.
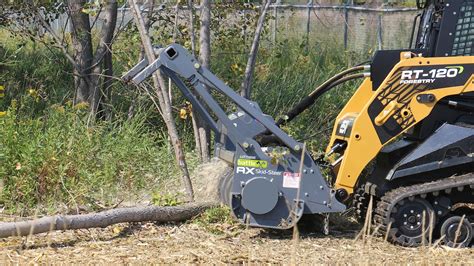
(195, 243)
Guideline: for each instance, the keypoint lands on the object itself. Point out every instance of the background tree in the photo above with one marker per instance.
(205, 58)
(92, 63)
(249, 69)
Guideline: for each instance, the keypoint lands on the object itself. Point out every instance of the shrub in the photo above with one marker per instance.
(57, 159)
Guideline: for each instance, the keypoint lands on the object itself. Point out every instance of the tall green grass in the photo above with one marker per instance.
(55, 159)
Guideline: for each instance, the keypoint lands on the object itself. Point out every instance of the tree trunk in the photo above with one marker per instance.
(205, 58)
(103, 219)
(104, 46)
(82, 49)
(247, 82)
(191, 26)
(163, 100)
(205, 34)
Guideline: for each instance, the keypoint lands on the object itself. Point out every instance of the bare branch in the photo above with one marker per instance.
(165, 105)
(56, 39)
(103, 219)
(247, 82)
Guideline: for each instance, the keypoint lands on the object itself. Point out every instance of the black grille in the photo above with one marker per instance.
(464, 35)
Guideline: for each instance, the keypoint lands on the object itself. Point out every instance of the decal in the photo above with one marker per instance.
(253, 171)
(244, 156)
(245, 170)
(291, 180)
(267, 172)
(423, 76)
(344, 128)
(252, 163)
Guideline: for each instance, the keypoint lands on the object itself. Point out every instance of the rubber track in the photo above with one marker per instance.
(360, 204)
(391, 198)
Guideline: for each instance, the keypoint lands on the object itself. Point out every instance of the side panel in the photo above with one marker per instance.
(439, 153)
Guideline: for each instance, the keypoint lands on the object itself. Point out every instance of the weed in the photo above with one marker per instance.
(218, 221)
(166, 199)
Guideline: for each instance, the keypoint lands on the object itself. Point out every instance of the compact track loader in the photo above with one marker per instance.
(404, 139)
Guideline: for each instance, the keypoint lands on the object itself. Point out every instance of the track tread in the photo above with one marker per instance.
(384, 207)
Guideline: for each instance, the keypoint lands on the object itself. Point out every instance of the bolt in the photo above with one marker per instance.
(418, 215)
(405, 215)
(245, 145)
(405, 223)
(418, 223)
(440, 212)
(435, 203)
(321, 187)
(242, 183)
(311, 171)
(411, 227)
(324, 202)
(280, 194)
(297, 147)
(412, 211)
(306, 194)
(304, 171)
(197, 66)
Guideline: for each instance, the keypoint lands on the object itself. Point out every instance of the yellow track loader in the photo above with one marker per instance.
(404, 139)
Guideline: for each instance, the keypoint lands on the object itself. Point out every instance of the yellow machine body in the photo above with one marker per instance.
(398, 94)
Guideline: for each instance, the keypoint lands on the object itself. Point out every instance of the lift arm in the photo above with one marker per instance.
(175, 62)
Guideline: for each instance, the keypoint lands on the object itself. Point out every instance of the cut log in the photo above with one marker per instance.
(103, 219)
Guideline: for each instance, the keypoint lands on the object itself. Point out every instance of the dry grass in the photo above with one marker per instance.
(191, 243)
(201, 241)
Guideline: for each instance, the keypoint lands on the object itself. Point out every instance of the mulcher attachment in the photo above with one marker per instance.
(267, 188)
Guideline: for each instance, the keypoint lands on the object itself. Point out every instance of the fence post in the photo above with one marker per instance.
(245, 28)
(308, 22)
(275, 20)
(346, 23)
(379, 32)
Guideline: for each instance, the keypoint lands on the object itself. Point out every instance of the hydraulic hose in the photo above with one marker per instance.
(320, 90)
(265, 139)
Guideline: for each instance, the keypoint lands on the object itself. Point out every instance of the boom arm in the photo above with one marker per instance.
(176, 62)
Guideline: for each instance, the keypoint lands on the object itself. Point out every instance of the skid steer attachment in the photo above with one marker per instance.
(267, 189)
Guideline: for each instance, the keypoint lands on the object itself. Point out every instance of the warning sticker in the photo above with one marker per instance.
(291, 180)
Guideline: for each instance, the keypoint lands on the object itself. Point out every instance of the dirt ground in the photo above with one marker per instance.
(195, 243)
(217, 243)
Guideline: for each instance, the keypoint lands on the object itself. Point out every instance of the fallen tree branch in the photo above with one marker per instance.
(103, 219)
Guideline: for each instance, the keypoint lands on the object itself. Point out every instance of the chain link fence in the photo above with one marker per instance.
(356, 28)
